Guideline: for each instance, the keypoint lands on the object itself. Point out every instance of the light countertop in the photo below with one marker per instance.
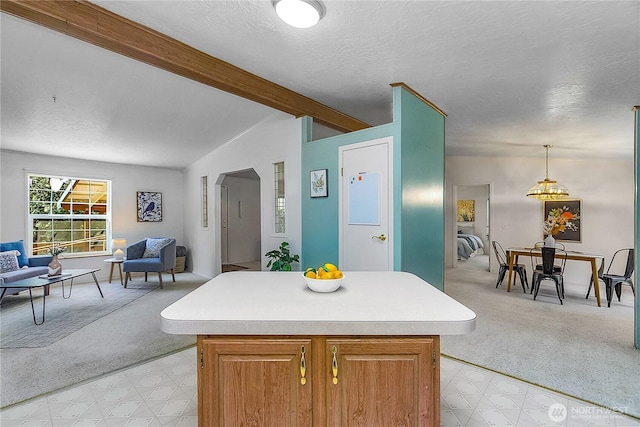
(279, 303)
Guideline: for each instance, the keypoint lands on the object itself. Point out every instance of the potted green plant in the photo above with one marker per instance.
(281, 258)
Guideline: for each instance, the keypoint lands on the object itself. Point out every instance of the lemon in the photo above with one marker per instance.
(330, 267)
(326, 271)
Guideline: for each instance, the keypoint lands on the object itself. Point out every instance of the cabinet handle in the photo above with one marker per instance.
(334, 365)
(303, 367)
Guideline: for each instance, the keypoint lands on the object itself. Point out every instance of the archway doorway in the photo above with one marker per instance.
(240, 220)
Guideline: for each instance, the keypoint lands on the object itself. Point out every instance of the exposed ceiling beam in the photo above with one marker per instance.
(98, 26)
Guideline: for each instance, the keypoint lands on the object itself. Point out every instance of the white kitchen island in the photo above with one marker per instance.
(271, 352)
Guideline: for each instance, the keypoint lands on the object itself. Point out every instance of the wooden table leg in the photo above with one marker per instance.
(111, 274)
(511, 257)
(120, 271)
(596, 284)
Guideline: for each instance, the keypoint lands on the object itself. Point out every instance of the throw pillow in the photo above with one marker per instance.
(9, 261)
(153, 247)
(18, 245)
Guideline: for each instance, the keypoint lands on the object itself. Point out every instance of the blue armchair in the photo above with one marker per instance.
(150, 255)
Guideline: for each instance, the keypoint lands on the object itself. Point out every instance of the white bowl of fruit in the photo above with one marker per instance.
(326, 278)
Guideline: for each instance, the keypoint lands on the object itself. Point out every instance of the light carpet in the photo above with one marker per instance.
(576, 348)
(124, 337)
(478, 262)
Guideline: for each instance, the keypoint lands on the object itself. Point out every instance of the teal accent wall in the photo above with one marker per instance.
(422, 179)
(636, 309)
(418, 189)
(320, 215)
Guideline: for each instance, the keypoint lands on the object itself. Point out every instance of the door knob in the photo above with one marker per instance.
(381, 237)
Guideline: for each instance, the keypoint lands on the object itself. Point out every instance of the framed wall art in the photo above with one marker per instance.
(562, 219)
(319, 186)
(149, 206)
(466, 210)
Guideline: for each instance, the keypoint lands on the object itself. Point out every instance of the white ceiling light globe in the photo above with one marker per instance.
(299, 13)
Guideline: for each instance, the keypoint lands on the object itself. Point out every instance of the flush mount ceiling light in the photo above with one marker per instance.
(299, 13)
(548, 189)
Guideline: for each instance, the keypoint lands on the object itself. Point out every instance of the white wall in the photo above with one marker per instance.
(275, 139)
(606, 188)
(126, 180)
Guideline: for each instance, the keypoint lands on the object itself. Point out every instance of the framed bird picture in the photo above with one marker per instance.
(149, 206)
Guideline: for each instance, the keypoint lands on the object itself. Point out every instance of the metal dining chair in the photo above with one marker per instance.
(557, 267)
(548, 270)
(503, 259)
(615, 276)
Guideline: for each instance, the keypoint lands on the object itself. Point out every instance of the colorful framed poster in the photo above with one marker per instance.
(562, 219)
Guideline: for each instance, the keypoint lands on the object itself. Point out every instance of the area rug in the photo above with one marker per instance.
(62, 316)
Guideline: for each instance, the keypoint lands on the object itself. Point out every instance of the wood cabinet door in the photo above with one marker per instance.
(254, 382)
(382, 382)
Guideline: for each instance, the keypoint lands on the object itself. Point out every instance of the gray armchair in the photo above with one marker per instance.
(150, 255)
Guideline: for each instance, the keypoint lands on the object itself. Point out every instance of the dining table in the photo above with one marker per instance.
(516, 252)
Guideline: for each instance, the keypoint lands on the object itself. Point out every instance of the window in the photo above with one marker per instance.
(278, 173)
(204, 189)
(74, 213)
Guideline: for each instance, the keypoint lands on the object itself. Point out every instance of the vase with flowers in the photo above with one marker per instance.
(559, 220)
(55, 268)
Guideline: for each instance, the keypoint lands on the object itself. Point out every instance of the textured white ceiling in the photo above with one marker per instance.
(511, 76)
(108, 107)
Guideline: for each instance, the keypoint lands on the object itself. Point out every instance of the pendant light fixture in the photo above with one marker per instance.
(548, 189)
(299, 13)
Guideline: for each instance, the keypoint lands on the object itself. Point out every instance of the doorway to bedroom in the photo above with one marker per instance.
(472, 211)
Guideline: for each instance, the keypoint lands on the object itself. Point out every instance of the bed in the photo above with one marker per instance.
(468, 244)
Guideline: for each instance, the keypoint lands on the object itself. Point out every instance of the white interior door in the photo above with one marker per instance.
(366, 239)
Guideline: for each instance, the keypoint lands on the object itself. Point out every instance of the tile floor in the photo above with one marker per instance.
(163, 393)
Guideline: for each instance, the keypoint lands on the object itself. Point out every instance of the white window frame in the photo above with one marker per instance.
(71, 216)
(204, 202)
